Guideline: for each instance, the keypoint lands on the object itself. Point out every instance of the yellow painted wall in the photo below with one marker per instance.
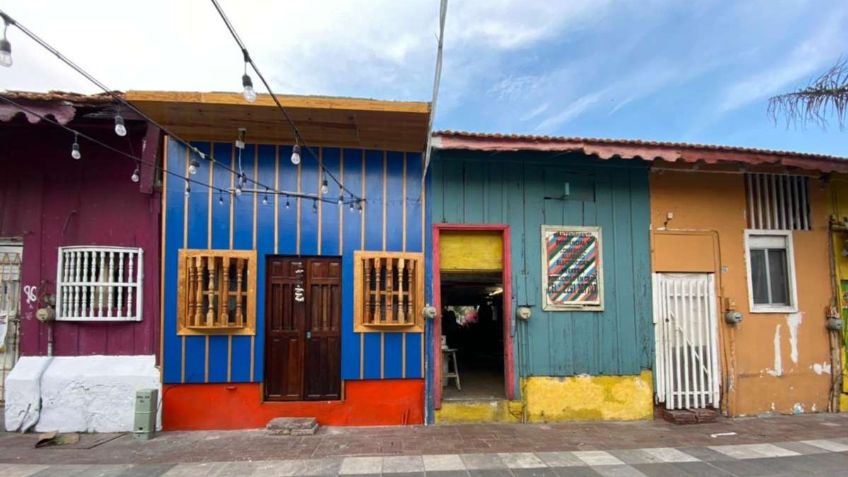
(839, 211)
(465, 412)
(704, 203)
(479, 251)
(579, 398)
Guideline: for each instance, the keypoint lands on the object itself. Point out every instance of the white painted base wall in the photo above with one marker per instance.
(82, 393)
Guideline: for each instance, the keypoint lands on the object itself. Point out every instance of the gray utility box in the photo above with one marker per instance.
(146, 402)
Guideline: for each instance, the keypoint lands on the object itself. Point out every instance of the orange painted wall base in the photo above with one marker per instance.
(239, 406)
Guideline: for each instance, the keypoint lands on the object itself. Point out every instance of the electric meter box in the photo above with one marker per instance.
(146, 402)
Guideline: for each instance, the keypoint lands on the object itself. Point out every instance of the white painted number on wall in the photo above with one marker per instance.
(31, 294)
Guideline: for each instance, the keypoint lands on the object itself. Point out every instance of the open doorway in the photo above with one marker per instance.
(472, 327)
(473, 293)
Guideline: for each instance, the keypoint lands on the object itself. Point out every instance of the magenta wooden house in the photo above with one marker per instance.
(79, 263)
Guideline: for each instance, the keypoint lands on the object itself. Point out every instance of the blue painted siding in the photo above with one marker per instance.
(245, 223)
(524, 190)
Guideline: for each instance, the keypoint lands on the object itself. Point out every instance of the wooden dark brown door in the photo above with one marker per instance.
(303, 323)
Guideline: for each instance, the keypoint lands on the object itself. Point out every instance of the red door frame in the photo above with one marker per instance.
(509, 361)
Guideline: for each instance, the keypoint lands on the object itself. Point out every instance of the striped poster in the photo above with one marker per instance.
(572, 267)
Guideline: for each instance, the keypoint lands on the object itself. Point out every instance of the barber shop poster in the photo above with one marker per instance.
(572, 273)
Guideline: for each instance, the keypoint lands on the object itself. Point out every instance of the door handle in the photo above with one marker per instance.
(309, 335)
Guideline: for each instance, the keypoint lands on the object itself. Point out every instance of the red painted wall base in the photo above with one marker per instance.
(239, 406)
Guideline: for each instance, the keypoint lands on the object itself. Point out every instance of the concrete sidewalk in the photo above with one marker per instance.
(814, 442)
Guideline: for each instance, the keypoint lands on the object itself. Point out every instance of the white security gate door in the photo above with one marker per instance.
(686, 330)
(10, 305)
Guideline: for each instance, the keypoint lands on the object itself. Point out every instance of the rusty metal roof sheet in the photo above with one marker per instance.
(637, 149)
(65, 96)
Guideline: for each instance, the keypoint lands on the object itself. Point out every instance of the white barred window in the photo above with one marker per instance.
(99, 284)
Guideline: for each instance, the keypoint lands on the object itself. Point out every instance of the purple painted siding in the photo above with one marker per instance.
(49, 200)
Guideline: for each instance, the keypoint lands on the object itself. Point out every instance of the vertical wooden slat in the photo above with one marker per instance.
(378, 290)
(401, 273)
(131, 287)
(210, 292)
(390, 316)
(224, 292)
(367, 291)
(239, 269)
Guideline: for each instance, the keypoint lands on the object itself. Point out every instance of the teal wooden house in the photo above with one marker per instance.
(542, 279)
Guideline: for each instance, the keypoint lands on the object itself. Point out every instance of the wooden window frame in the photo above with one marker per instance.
(184, 287)
(416, 323)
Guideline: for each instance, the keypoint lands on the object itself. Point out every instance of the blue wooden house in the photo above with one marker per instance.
(284, 292)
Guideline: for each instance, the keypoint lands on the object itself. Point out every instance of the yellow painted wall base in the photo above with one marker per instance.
(843, 402)
(464, 412)
(620, 398)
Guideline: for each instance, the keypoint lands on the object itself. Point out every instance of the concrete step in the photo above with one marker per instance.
(292, 426)
(690, 416)
(479, 411)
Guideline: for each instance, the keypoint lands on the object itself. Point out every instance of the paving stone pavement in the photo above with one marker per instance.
(817, 457)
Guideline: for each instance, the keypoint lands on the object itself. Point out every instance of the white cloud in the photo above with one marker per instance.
(808, 58)
(573, 110)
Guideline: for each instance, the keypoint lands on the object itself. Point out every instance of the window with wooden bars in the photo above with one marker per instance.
(388, 291)
(99, 284)
(217, 292)
(778, 202)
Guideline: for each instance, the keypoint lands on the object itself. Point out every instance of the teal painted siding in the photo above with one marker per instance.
(525, 191)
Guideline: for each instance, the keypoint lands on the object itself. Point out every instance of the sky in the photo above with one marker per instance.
(666, 70)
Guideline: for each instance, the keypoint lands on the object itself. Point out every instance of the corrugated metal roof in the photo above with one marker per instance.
(637, 149)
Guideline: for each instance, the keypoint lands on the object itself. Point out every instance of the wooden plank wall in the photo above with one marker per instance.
(393, 220)
(511, 188)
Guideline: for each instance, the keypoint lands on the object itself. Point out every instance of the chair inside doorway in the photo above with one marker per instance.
(472, 330)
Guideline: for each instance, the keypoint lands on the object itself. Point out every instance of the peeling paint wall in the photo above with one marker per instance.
(769, 360)
(464, 412)
(621, 398)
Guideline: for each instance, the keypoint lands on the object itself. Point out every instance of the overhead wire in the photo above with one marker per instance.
(139, 160)
(299, 139)
(120, 99)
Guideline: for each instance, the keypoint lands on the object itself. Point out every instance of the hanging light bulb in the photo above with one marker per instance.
(5, 46)
(265, 197)
(193, 166)
(220, 198)
(249, 93)
(188, 188)
(238, 190)
(288, 205)
(135, 175)
(120, 129)
(341, 200)
(351, 206)
(314, 205)
(295, 157)
(359, 206)
(75, 149)
(324, 188)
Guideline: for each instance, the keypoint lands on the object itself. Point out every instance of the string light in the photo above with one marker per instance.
(360, 206)
(351, 206)
(238, 189)
(341, 200)
(120, 128)
(220, 198)
(187, 188)
(288, 205)
(265, 197)
(5, 45)
(295, 157)
(324, 188)
(75, 149)
(135, 175)
(193, 166)
(314, 205)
